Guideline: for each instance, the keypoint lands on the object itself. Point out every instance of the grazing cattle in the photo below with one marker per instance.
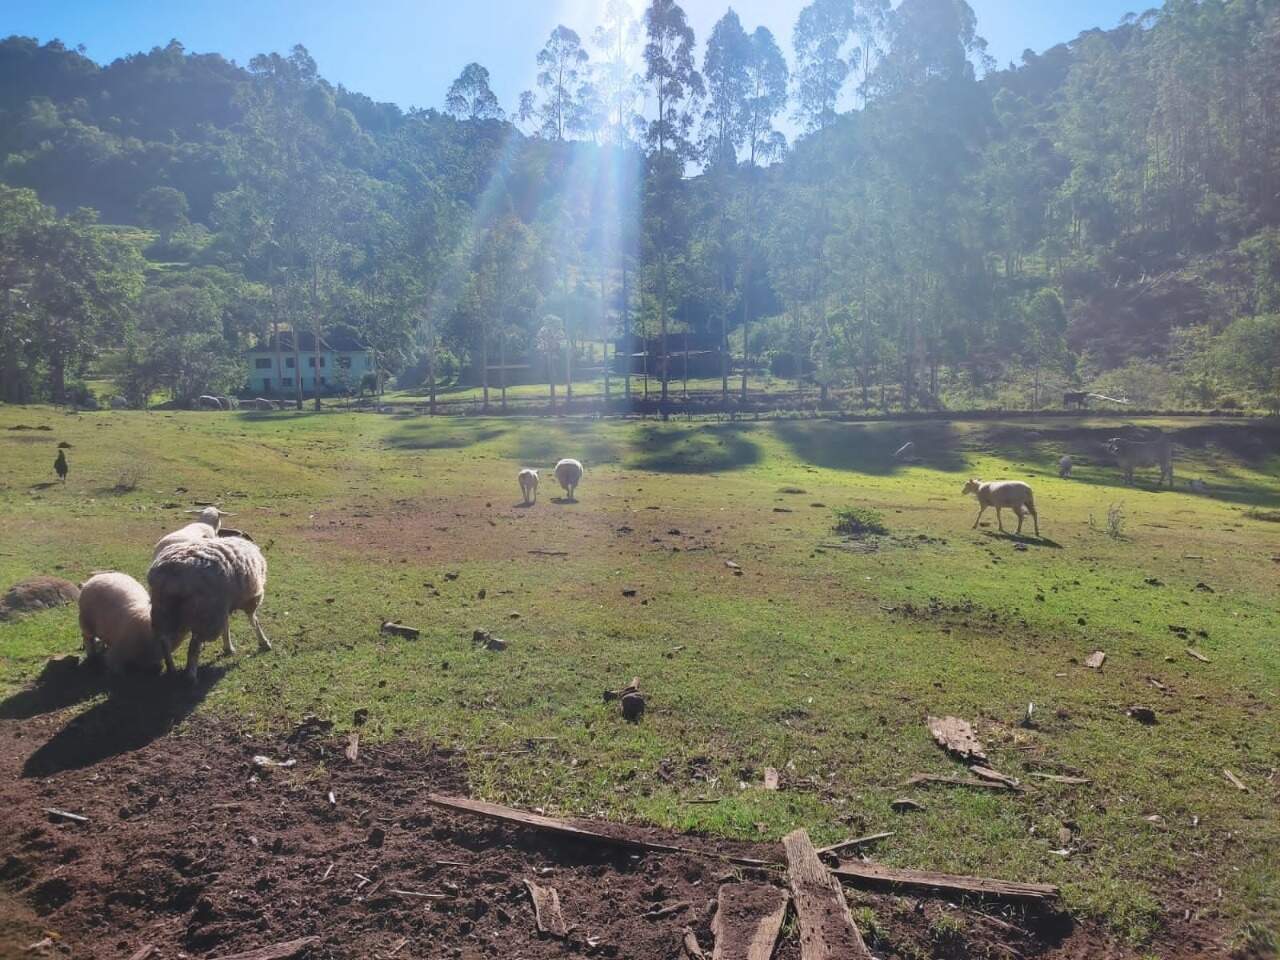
(1143, 453)
(1075, 398)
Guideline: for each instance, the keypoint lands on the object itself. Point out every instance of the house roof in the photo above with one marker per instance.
(341, 342)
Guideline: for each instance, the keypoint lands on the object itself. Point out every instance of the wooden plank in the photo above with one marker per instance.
(142, 953)
(855, 842)
(546, 910)
(692, 949)
(995, 776)
(770, 778)
(957, 737)
(353, 746)
(878, 875)
(495, 811)
(827, 930)
(1197, 655)
(1061, 778)
(277, 951)
(924, 779)
(1095, 660)
(748, 920)
(1234, 780)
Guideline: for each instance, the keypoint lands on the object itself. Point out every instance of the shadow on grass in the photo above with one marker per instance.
(136, 711)
(420, 434)
(1029, 539)
(707, 448)
(870, 447)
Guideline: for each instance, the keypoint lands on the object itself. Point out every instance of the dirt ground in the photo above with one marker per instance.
(194, 849)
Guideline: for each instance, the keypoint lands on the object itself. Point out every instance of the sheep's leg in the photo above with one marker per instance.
(1035, 517)
(981, 510)
(227, 646)
(1000, 519)
(193, 657)
(1018, 511)
(263, 643)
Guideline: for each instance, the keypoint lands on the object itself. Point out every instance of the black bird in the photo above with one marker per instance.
(60, 466)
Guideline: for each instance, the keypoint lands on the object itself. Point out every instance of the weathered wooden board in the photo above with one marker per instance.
(546, 910)
(277, 951)
(747, 921)
(878, 875)
(827, 930)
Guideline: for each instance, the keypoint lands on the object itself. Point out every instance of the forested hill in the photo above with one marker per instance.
(1105, 214)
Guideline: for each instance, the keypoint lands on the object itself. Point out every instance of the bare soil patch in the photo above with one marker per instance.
(194, 848)
(37, 593)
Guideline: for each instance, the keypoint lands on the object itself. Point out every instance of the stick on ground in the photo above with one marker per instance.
(835, 848)
(277, 951)
(747, 921)
(924, 779)
(878, 875)
(827, 930)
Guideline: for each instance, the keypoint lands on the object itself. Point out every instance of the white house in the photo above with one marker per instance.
(344, 363)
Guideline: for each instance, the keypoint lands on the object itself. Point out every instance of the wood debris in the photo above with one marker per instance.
(279, 951)
(957, 737)
(770, 778)
(748, 920)
(925, 779)
(1095, 660)
(835, 848)
(1061, 778)
(353, 746)
(419, 894)
(827, 930)
(142, 953)
(666, 911)
(692, 949)
(394, 629)
(875, 874)
(995, 776)
(632, 687)
(546, 910)
(907, 805)
(1197, 655)
(1234, 780)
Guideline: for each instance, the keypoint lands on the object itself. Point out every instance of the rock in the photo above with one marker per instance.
(1144, 715)
(629, 592)
(1203, 587)
(376, 837)
(1153, 582)
(35, 594)
(360, 717)
(632, 706)
(1020, 547)
(484, 638)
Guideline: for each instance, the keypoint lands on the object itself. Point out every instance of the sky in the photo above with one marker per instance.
(409, 51)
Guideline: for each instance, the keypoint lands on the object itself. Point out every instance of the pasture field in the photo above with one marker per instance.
(819, 657)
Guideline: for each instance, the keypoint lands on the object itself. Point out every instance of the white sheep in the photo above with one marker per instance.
(569, 475)
(1064, 467)
(115, 621)
(1004, 493)
(206, 527)
(528, 480)
(196, 586)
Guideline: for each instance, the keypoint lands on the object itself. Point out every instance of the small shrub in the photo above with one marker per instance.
(1115, 521)
(1270, 516)
(859, 521)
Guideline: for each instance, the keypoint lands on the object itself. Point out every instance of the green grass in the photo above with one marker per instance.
(820, 662)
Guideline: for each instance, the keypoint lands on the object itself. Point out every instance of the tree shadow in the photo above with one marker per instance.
(137, 711)
(707, 448)
(429, 434)
(870, 447)
(544, 444)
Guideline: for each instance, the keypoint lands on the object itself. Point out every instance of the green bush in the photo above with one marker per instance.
(859, 521)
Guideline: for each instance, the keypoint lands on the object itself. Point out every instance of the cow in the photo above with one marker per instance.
(1143, 453)
(1075, 398)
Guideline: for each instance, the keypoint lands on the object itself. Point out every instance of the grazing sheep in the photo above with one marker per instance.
(196, 586)
(528, 485)
(115, 621)
(262, 403)
(207, 402)
(1064, 467)
(569, 475)
(207, 526)
(1004, 493)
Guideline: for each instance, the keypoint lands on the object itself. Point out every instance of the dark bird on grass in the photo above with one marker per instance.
(60, 466)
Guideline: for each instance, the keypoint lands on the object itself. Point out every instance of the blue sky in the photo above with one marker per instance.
(408, 51)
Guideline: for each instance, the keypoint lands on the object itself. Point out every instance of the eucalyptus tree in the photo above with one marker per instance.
(724, 70)
(470, 97)
(765, 98)
(619, 85)
(562, 71)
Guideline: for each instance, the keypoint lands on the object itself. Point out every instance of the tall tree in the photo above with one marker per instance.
(620, 86)
(766, 97)
(725, 68)
(470, 96)
(673, 80)
(562, 68)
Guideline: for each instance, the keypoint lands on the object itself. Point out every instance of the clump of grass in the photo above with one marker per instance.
(129, 480)
(1255, 941)
(1271, 516)
(859, 521)
(944, 928)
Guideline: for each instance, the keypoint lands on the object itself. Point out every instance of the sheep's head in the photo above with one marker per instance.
(972, 486)
(212, 516)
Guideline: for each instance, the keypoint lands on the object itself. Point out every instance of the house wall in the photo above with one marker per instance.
(266, 379)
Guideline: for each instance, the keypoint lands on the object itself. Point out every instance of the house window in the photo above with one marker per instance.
(262, 363)
(323, 381)
(311, 361)
(289, 362)
(286, 381)
(344, 363)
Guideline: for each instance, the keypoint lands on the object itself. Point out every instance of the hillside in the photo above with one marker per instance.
(1104, 214)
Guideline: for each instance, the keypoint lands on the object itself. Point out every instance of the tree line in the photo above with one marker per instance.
(943, 233)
